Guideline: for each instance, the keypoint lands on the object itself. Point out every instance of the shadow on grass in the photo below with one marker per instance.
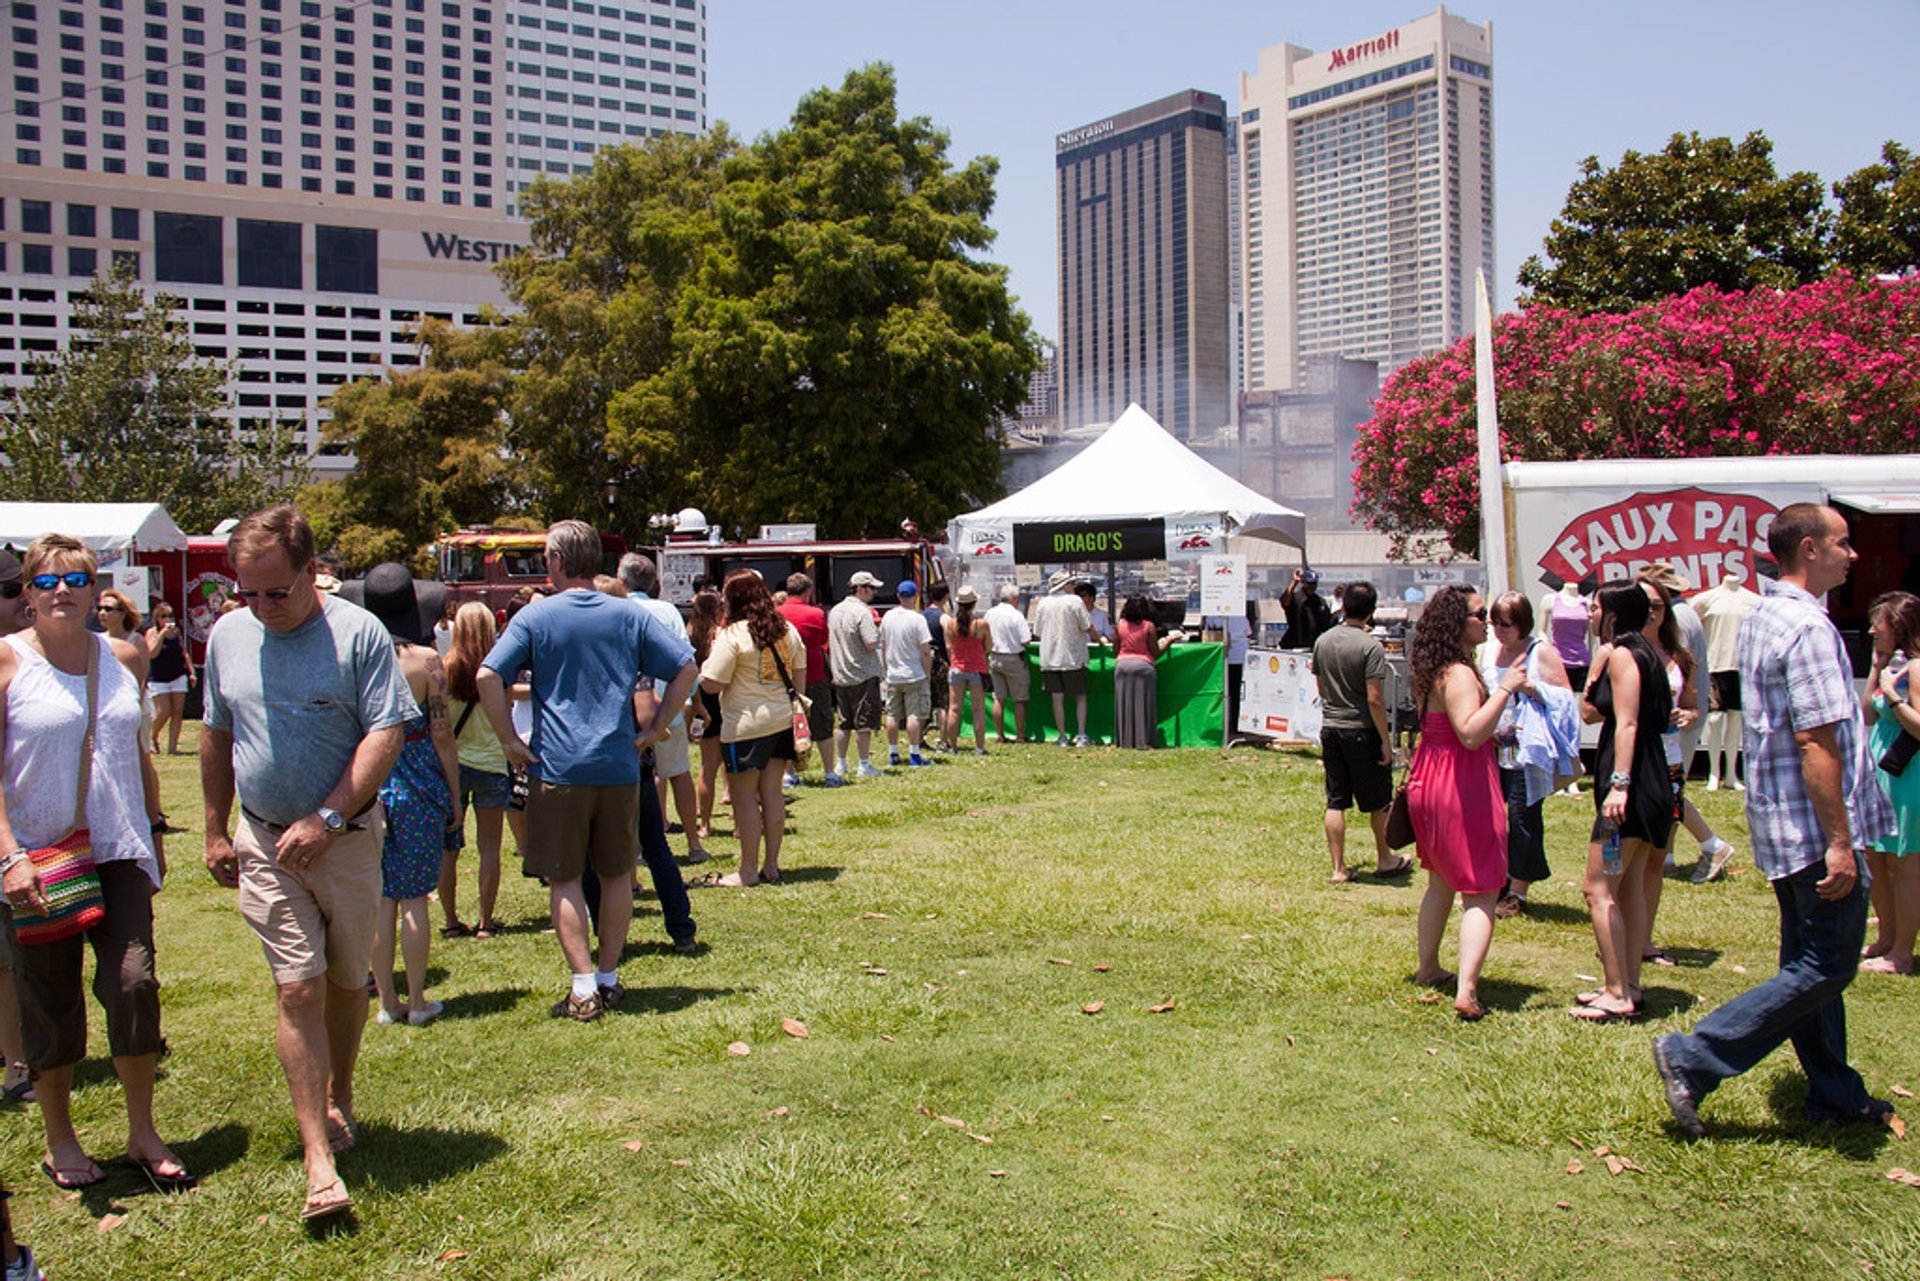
(672, 997)
(801, 875)
(1659, 1002)
(1506, 995)
(204, 1155)
(1854, 1140)
(1557, 914)
(1692, 958)
(397, 1158)
(637, 948)
(470, 1005)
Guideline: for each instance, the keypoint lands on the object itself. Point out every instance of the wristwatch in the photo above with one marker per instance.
(1617, 779)
(335, 821)
(8, 863)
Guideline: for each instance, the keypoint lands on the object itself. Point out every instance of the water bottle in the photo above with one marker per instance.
(1610, 853)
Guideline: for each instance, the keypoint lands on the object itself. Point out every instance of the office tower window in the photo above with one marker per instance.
(269, 255)
(187, 249)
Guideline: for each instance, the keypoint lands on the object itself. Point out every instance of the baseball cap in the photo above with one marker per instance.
(9, 567)
(861, 578)
(1309, 575)
(907, 588)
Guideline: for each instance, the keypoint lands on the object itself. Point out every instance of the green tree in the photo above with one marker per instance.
(1878, 227)
(1701, 211)
(129, 413)
(430, 448)
(800, 329)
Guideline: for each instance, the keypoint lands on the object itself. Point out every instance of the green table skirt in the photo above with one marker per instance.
(1191, 696)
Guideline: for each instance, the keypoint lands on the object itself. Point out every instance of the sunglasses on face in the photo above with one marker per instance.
(1480, 613)
(276, 594)
(11, 589)
(77, 579)
(107, 609)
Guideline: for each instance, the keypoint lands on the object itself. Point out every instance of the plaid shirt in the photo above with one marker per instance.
(1795, 676)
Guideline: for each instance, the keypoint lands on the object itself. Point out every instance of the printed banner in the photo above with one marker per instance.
(1279, 697)
(986, 545)
(1703, 534)
(1223, 585)
(1189, 540)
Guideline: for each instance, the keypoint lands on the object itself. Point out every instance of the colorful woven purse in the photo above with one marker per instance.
(68, 878)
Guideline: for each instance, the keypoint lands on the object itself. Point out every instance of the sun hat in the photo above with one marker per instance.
(407, 606)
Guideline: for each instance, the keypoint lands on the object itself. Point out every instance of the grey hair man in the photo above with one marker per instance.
(1007, 635)
(853, 654)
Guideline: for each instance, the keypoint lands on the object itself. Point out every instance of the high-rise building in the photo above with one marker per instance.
(307, 180)
(1367, 174)
(1142, 200)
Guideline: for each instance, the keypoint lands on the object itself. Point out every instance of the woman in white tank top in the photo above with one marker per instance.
(43, 691)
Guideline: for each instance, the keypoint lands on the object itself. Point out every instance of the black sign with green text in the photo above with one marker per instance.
(1090, 540)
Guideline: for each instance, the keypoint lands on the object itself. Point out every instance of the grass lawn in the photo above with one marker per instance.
(1301, 1110)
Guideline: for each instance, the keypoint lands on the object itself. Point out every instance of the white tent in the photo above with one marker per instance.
(1134, 473)
(105, 527)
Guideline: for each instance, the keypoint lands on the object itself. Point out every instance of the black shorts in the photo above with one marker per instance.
(1355, 776)
(1726, 692)
(937, 683)
(710, 708)
(758, 753)
(859, 704)
(1072, 682)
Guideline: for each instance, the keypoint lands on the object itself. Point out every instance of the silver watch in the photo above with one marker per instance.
(335, 821)
(1617, 779)
(10, 861)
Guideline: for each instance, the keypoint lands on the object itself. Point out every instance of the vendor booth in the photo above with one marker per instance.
(1134, 495)
(132, 540)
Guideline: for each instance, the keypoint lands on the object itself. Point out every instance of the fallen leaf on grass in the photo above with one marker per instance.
(1901, 1174)
(978, 1138)
(1093, 1007)
(795, 1028)
(1058, 960)
(633, 1145)
(1574, 1167)
(1431, 1050)
(1898, 1126)
(1603, 1150)
(1427, 998)
(1739, 969)
(887, 1037)
(1289, 1040)
(111, 1221)
(739, 1049)
(1563, 1205)
(1619, 1165)
(1902, 1092)
(996, 1174)
(876, 971)
(781, 1111)
(1246, 938)
(1101, 968)
(1106, 1118)
(451, 1256)
(875, 916)
(1578, 1144)
(680, 1161)
(1162, 1008)
(953, 1121)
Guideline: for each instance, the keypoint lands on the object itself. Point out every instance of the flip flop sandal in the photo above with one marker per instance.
(178, 1181)
(316, 1208)
(458, 930)
(59, 1176)
(486, 931)
(1595, 1014)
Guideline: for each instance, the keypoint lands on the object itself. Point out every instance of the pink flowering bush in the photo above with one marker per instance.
(1827, 368)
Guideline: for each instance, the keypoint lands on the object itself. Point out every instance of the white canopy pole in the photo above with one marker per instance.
(1493, 512)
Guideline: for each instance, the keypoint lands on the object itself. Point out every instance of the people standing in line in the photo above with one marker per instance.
(1721, 609)
(1009, 634)
(1356, 746)
(853, 653)
(641, 579)
(587, 650)
(1813, 806)
(708, 616)
(1631, 697)
(756, 659)
(1061, 624)
(17, 1084)
(485, 785)
(65, 690)
(1308, 616)
(939, 663)
(1515, 645)
(420, 795)
(906, 652)
(1136, 703)
(1891, 706)
(305, 855)
(801, 609)
(1453, 787)
(170, 675)
(1683, 742)
(968, 635)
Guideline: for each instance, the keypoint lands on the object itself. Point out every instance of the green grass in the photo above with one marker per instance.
(1302, 1111)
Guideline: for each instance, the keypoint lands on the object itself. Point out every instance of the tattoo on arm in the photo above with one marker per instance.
(436, 691)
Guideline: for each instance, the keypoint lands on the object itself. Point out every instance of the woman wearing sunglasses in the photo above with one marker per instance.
(172, 675)
(44, 678)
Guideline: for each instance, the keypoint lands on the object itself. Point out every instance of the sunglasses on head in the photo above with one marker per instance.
(250, 596)
(76, 579)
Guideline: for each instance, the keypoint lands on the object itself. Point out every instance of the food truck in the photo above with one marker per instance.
(490, 564)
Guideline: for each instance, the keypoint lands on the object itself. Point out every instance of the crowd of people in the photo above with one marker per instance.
(353, 742)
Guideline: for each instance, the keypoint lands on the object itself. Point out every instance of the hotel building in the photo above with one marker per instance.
(1367, 190)
(1142, 199)
(307, 180)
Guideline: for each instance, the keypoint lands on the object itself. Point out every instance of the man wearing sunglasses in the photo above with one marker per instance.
(13, 598)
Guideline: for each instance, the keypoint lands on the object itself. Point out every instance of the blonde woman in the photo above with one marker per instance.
(484, 782)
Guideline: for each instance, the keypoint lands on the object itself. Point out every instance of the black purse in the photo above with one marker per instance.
(1896, 758)
(1400, 821)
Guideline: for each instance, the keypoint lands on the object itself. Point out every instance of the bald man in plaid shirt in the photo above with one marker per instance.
(1813, 802)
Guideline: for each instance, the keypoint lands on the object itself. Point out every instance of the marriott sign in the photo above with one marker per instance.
(1365, 49)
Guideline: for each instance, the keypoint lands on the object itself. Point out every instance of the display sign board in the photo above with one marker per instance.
(1026, 575)
(788, 534)
(1056, 543)
(1223, 585)
(677, 572)
(1279, 697)
(135, 582)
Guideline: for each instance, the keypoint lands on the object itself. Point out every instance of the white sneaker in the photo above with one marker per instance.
(791, 779)
(835, 779)
(425, 1014)
(869, 770)
(24, 1268)
(386, 1019)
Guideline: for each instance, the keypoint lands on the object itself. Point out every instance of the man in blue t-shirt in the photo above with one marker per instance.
(585, 650)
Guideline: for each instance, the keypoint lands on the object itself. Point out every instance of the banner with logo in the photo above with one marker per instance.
(1191, 537)
(1223, 585)
(982, 544)
(1279, 697)
(1573, 536)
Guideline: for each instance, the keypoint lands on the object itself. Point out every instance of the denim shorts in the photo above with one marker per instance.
(483, 789)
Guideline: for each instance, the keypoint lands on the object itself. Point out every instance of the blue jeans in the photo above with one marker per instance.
(1819, 955)
(667, 882)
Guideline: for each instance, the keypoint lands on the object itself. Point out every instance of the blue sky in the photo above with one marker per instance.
(1828, 83)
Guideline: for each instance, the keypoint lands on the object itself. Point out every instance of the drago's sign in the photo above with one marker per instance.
(1048, 544)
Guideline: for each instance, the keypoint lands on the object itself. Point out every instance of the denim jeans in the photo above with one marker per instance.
(667, 882)
(1819, 955)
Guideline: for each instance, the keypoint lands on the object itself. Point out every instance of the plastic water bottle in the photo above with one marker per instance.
(1610, 853)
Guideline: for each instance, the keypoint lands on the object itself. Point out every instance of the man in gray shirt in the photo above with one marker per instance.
(853, 656)
(1356, 750)
(305, 705)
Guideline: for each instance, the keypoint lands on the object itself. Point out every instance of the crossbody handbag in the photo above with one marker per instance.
(68, 878)
(802, 732)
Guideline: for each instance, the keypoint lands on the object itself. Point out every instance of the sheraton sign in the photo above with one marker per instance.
(1365, 49)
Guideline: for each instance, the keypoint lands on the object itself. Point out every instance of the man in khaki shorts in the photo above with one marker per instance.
(305, 706)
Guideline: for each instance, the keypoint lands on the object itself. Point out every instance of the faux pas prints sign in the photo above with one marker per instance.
(1704, 534)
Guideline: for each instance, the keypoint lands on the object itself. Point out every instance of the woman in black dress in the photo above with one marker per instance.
(1629, 697)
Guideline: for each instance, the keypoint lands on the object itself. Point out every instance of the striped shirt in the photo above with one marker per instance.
(1795, 676)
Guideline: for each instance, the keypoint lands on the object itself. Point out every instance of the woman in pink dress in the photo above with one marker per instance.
(1453, 788)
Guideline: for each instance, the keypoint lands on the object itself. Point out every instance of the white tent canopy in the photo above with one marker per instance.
(1135, 471)
(104, 527)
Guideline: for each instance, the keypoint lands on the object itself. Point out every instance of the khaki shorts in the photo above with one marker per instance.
(319, 920)
(670, 759)
(910, 701)
(572, 824)
(1012, 681)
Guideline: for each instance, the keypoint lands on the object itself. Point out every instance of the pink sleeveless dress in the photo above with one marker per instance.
(1459, 812)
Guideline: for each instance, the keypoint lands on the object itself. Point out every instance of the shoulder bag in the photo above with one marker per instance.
(802, 731)
(68, 878)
